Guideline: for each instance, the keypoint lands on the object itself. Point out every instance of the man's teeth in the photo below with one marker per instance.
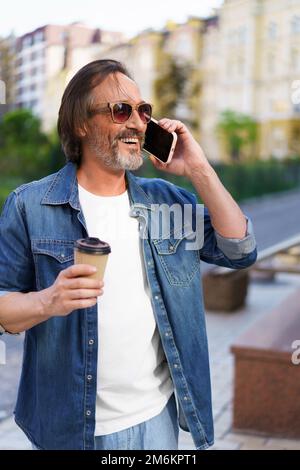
(130, 141)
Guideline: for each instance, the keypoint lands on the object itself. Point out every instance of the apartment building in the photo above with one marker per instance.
(139, 54)
(250, 63)
(183, 42)
(44, 59)
(245, 58)
(7, 72)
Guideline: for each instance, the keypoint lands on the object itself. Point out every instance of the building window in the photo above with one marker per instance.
(295, 25)
(64, 35)
(242, 35)
(27, 41)
(272, 31)
(230, 37)
(33, 103)
(39, 37)
(296, 109)
(238, 36)
(295, 59)
(240, 65)
(271, 62)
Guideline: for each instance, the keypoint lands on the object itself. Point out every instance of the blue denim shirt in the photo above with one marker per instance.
(39, 223)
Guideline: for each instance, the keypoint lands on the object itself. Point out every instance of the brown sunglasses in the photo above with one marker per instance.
(121, 111)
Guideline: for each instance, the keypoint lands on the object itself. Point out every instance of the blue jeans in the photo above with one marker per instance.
(158, 433)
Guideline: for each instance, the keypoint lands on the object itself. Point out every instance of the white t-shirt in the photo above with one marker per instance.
(133, 380)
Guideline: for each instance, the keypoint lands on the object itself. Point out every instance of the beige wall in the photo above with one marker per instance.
(211, 92)
(252, 70)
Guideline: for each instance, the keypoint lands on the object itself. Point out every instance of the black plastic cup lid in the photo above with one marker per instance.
(92, 245)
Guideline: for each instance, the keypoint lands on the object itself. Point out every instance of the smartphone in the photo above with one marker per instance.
(159, 142)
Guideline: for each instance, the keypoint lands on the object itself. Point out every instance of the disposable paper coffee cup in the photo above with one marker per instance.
(92, 251)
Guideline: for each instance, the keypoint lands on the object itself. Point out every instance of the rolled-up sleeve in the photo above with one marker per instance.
(237, 248)
(16, 263)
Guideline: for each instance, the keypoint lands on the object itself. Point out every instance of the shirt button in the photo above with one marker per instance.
(88, 413)
(167, 334)
(149, 263)
(89, 377)
(175, 366)
(156, 297)
(62, 255)
(171, 248)
(91, 342)
(185, 398)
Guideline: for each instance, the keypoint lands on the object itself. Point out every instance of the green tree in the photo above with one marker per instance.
(24, 148)
(169, 86)
(177, 90)
(238, 130)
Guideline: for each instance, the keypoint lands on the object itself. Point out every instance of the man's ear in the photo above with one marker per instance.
(81, 131)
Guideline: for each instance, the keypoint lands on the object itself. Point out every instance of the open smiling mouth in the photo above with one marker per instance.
(130, 141)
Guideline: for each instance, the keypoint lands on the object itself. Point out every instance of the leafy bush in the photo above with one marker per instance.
(244, 180)
(26, 153)
(254, 179)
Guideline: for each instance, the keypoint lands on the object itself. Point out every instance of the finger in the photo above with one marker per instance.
(79, 270)
(166, 123)
(172, 125)
(82, 303)
(84, 283)
(84, 293)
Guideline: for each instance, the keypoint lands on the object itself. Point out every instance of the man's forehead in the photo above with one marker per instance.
(117, 87)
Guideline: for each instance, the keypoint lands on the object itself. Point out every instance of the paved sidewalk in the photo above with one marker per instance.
(222, 328)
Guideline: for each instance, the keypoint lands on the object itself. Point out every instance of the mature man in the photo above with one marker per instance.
(118, 366)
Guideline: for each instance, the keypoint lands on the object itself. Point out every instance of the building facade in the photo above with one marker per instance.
(245, 58)
(7, 73)
(253, 63)
(44, 61)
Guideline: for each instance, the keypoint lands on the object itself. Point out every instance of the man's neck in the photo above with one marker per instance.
(101, 181)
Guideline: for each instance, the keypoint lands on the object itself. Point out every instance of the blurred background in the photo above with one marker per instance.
(231, 71)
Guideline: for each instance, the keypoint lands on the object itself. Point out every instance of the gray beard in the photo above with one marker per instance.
(117, 161)
(112, 158)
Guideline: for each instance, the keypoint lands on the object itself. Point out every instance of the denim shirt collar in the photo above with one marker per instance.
(64, 189)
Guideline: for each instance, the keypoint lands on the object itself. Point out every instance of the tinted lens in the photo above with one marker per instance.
(145, 112)
(121, 112)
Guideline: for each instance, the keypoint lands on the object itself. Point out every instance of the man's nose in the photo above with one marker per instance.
(135, 122)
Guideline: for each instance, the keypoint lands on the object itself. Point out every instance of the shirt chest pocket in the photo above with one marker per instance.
(178, 262)
(51, 257)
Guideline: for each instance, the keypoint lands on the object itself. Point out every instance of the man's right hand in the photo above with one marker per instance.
(72, 290)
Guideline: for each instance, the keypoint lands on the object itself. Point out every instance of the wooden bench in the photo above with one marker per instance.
(267, 383)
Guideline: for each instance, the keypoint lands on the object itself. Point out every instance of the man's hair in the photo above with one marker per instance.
(77, 101)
